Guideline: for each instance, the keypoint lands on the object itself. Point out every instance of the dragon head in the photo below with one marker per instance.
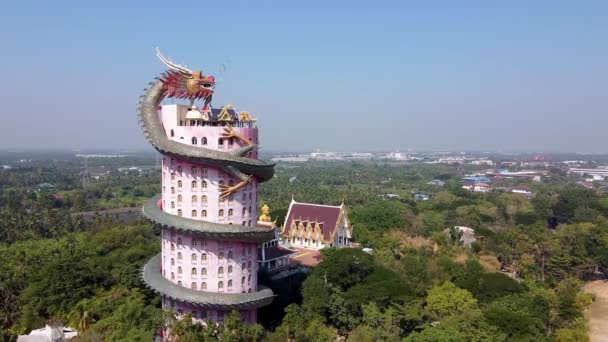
(185, 83)
(202, 81)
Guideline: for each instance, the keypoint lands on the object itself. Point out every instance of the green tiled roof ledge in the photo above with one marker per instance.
(209, 229)
(211, 300)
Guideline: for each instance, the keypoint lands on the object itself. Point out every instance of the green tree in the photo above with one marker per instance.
(447, 300)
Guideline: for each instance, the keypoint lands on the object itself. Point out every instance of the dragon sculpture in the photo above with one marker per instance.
(181, 82)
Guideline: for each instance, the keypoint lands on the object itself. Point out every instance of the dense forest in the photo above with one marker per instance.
(520, 281)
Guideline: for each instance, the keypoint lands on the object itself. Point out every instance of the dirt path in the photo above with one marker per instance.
(597, 313)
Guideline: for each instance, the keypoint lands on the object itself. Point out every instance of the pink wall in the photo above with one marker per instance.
(204, 197)
(192, 190)
(240, 257)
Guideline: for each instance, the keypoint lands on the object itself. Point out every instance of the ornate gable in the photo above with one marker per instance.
(225, 114)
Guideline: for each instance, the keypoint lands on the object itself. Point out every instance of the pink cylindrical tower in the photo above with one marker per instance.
(207, 208)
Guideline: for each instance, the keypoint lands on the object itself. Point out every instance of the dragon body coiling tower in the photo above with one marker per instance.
(209, 199)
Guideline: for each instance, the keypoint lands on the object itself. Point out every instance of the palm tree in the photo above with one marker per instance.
(80, 319)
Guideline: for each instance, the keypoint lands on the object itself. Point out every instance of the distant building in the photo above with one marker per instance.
(521, 190)
(392, 196)
(398, 156)
(421, 197)
(436, 182)
(482, 162)
(466, 235)
(316, 226)
(586, 185)
(451, 160)
(476, 187)
(476, 179)
(291, 159)
(599, 172)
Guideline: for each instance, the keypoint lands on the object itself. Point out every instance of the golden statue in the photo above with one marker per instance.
(265, 217)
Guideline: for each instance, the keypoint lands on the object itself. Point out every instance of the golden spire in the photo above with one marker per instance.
(224, 114)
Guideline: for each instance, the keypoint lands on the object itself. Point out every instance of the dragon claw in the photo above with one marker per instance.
(226, 190)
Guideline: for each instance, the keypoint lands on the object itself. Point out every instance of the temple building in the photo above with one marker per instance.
(273, 255)
(207, 207)
(316, 226)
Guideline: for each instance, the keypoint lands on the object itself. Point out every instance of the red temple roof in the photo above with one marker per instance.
(326, 216)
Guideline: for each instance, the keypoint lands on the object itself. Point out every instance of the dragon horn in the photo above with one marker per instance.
(171, 65)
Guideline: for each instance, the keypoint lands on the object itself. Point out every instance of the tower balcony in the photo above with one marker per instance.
(153, 278)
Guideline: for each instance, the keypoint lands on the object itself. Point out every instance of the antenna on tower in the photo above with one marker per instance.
(85, 172)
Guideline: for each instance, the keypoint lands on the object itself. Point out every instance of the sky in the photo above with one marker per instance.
(328, 75)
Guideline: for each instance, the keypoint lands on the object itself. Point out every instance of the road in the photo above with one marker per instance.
(597, 313)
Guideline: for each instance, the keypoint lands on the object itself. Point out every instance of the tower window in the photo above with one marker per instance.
(193, 184)
(179, 183)
(172, 133)
(203, 271)
(204, 141)
(204, 184)
(220, 285)
(221, 213)
(204, 213)
(193, 286)
(179, 212)
(204, 198)
(194, 199)
(193, 213)
(194, 141)
(179, 198)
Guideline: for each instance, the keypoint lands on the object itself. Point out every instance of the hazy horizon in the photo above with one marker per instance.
(472, 76)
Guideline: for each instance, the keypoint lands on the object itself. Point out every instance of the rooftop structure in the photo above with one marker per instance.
(464, 235)
(208, 204)
(316, 226)
(52, 332)
(521, 190)
(602, 172)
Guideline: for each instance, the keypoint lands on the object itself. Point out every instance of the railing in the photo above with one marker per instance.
(201, 123)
